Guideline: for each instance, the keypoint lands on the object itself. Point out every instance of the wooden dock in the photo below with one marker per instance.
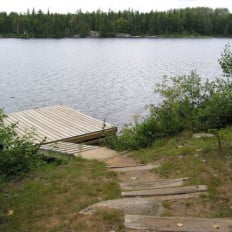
(67, 148)
(80, 150)
(60, 123)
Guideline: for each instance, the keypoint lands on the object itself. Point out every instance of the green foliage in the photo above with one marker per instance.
(134, 137)
(190, 21)
(226, 60)
(17, 155)
(218, 137)
(188, 105)
(223, 212)
(182, 99)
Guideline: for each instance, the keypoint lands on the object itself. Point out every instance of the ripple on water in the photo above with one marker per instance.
(110, 79)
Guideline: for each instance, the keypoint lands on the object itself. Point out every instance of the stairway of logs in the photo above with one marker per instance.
(141, 202)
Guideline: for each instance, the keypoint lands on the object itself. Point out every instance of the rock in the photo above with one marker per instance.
(203, 135)
(216, 226)
(122, 35)
(141, 206)
(10, 212)
(94, 34)
(179, 225)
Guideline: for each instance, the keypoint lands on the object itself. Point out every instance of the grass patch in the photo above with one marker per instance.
(202, 161)
(166, 204)
(50, 198)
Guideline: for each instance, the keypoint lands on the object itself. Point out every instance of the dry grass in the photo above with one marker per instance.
(204, 163)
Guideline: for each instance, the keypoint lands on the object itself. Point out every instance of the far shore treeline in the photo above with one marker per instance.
(199, 21)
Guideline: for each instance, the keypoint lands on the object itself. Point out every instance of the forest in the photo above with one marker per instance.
(200, 21)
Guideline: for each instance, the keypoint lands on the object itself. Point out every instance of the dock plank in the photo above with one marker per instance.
(60, 123)
(67, 148)
(82, 116)
(52, 115)
(177, 224)
(79, 124)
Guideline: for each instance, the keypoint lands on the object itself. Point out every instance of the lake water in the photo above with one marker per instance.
(110, 79)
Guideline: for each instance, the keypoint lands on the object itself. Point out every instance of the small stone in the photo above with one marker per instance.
(180, 146)
(196, 155)
(204, 161)
(10, 212)
(216, 226)
(199, 150)
(134, 177)
(180, 156)
(179, 225)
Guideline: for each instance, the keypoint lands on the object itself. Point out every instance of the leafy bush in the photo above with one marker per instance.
(188, 104)
(17, 155)
(134, 137)
(226, 60)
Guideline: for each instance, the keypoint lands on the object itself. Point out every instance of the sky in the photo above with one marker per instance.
(64, 6)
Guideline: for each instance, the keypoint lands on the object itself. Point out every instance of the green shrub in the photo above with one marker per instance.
(18, 155)
(188, 105)
(135, 136)
(226, 60)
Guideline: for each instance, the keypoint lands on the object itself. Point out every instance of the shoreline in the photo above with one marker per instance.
(118, 37)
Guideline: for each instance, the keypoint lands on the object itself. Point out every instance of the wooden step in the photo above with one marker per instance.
(135, 168)
(124, 166)
(166, 191)
(161, 183)
(177, 224)
(176, 197)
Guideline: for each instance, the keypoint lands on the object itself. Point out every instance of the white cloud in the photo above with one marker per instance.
(90, 5)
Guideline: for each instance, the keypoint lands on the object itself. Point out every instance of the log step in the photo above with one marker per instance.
(134, 168)
(163, 183)
(177, 224)
(124, 166)
(176, 197)
(166, 191)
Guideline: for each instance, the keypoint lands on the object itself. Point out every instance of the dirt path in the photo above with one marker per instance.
(132, 173)
(132, 176)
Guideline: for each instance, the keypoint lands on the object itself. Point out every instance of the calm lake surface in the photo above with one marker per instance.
(110, 79)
